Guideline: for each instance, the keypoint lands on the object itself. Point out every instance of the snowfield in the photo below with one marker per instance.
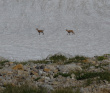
(19, 40)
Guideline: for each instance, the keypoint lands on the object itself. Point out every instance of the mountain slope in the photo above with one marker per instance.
(19, 40)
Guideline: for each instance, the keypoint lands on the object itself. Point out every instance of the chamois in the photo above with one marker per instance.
(40, 31)
(70, 31)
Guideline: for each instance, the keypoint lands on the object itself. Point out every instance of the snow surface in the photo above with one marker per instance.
(19, 40)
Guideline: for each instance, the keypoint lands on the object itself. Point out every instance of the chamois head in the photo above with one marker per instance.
(36, 28)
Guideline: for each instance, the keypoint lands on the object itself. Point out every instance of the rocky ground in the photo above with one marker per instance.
(89, 75)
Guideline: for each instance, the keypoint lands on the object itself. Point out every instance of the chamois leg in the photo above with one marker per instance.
(43, 33)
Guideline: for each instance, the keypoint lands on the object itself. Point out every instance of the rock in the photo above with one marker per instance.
(51, 76)
(43, 74)
(55, 83)
(46, 69)
(11, 63)
(34, 73)
(92, 67)
(42, 67)
(68, 78)
(47, 78)
(6, 65)
(0, 79)
(82, 90)
(2, 58)
(40, 72)
(20, 72)
(51, 67)
(18, 67)
(69, 67)
(73, 76)
(107, 55)
(91, 60)
(41, 80)
(105, 82)
(85, 61)
(109, 67)
(9, 72)
(37, 67)
(55, 71)
(34, 76)
(48, 87)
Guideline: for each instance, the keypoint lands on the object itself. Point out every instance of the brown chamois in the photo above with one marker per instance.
(40, 31)
(70, 31)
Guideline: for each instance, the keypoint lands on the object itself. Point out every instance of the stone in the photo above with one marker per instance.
(46, 69)
(51, 67)
(55, 83)
(42, 67)
(11, 63)
(91, 61)
(18, 67)
(48, 87)
(9, 72)
(20, 72)
(34, 76)
(73, 76)
(40, 72)
(41, 80)
(34, 73)
(69, 67)
(0, 79)
(109, 67)
(85, 61)
(81, 90)
(105, 82)
(37, 67)
(2, 58)
(51, 76)
(55, 71)
(43, 74)
(6, 65)
(92, 67)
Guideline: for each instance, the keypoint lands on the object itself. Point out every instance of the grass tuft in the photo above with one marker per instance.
(100, 58)
(23, 89)
(57, 58)
(65, 90)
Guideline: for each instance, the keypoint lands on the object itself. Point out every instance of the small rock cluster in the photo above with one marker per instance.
(47, 75)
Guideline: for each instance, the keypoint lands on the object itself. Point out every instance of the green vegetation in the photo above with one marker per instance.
(80, 58)
(32, 61)
(86, 65)
(76, 59)
(87, 75)
(88, 82)
(57, 58)
(23, 89)
(1, 67)
(56, 75)
(66, 90)
(62, 74)
(31, 89)
(3, 62)
(23, 63)
(100, 58)
(37, 79)
(38, 61)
